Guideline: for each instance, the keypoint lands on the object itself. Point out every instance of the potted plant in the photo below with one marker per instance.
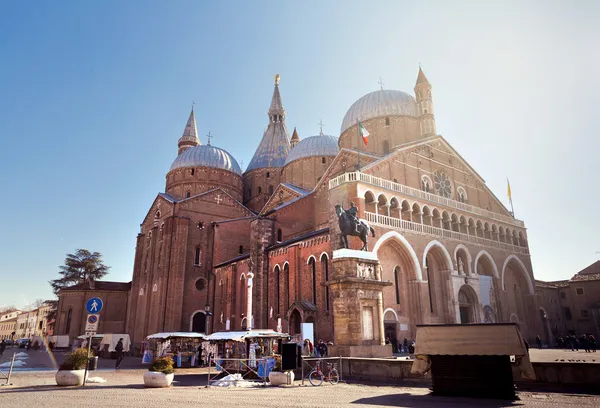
(72, 370)
(278, 377)
(160, 374)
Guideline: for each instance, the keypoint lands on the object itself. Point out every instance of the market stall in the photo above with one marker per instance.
(474, 360)
(182, 347)
(241, 350)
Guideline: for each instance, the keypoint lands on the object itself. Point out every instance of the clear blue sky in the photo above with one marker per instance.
(95, 95)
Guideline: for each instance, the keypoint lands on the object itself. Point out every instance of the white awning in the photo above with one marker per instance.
(174, 335)
(242, 335)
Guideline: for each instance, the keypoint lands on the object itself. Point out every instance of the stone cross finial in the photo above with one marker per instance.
(380, 82)
(209, 136)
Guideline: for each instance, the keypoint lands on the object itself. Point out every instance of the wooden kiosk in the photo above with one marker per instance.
(473, 360)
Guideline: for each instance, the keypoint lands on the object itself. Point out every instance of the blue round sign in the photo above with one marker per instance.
(94, 305)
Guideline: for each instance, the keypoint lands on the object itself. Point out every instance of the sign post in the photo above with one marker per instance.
(93, 307)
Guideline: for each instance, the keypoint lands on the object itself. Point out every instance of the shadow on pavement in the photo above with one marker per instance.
(53, 388)
(430, 401)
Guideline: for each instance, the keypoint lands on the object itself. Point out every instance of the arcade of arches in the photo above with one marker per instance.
(441, 284)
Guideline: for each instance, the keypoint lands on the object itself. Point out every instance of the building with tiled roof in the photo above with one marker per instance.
(571, 306)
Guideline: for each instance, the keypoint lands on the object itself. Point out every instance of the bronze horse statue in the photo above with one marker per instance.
(348, 227)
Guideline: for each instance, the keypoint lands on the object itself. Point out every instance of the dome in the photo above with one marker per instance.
(385, 102)
(206, 156)
(322, 145)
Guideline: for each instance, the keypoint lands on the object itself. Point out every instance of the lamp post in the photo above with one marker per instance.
(207, 313)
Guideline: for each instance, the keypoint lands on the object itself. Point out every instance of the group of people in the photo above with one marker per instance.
(586, 342)
(404, 347)
(320, 350)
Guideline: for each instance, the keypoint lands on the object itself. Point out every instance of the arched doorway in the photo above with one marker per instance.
(295, 320)
(466, 305)
(390, 325)
(199, 322)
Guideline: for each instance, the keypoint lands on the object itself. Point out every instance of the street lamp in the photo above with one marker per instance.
(206, 314)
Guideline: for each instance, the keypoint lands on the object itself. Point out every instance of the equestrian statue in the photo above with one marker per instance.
(351, 225)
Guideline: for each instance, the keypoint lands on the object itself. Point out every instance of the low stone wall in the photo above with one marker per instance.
(386, 370)
(567, 373)
(380, 370)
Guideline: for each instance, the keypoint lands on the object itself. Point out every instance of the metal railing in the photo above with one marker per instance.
(410, 191)
(306, 361)
(7, 376)
(246, 367)
(400, 224)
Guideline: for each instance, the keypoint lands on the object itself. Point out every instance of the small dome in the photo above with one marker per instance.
(206, 156)
(322, 145)
(385, 102)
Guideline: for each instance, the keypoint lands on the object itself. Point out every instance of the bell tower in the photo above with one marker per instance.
(425, 105)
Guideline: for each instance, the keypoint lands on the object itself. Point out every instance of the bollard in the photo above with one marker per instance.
(12, 362)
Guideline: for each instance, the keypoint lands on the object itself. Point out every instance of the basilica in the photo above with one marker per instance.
(450, 250)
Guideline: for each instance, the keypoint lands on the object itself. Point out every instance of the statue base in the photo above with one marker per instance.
(376, 351)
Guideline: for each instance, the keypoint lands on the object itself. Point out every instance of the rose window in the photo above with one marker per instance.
(442, 184)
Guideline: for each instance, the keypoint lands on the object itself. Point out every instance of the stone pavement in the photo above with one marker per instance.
(124, 388)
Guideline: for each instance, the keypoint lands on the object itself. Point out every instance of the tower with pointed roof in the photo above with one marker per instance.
(264, 171)
(295, 138)
(190, 134)
(425, 105)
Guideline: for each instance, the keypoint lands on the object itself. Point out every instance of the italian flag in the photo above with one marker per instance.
(362, 131)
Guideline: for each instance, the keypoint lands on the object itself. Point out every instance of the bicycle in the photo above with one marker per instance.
(316, 376)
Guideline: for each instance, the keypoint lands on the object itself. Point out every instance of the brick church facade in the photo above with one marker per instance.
(452, 252)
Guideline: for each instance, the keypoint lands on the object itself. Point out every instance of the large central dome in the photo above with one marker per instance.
(385, 102)
(206, 156)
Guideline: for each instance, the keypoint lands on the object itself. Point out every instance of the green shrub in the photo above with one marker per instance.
(76, 360)
(162, 365)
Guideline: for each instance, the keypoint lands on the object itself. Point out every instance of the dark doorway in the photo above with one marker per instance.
(295, 321)
(199, 323)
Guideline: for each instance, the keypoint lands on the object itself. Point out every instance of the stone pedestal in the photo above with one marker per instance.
(356, 289)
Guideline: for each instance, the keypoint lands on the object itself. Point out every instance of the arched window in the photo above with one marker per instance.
(241, 249)
(270, 189)
(192, 172)
(387, 121)
(268, 174)
(279, 235)
(426, 184)
(323, 160)
(386, 147)
(278, 290)
(68, 325)
(325, 269)
(462, 195)
(243, 292)
(187, 194)
(313, 268)
(286, 277)
(259, 190)
(397, 281)
(197, 256)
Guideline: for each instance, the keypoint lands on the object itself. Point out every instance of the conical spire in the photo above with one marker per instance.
(276, 111)
(295, 138)
(421, 78)
(190, 134)
(275, 143)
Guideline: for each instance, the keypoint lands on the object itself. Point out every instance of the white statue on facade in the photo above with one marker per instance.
(461, 266)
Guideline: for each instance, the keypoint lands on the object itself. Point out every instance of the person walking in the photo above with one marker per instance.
(119, 351)
(2, 346)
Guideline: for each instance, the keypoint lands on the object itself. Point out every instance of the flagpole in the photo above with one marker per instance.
(358, 135)
(512, 209)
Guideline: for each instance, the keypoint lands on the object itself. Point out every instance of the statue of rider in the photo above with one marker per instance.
(353, 214)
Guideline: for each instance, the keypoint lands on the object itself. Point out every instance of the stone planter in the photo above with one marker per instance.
(69, 377)
(155, 379)
(278, 378)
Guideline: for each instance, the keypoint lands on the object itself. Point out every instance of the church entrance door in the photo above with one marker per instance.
(295, 321)
(199, 323)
